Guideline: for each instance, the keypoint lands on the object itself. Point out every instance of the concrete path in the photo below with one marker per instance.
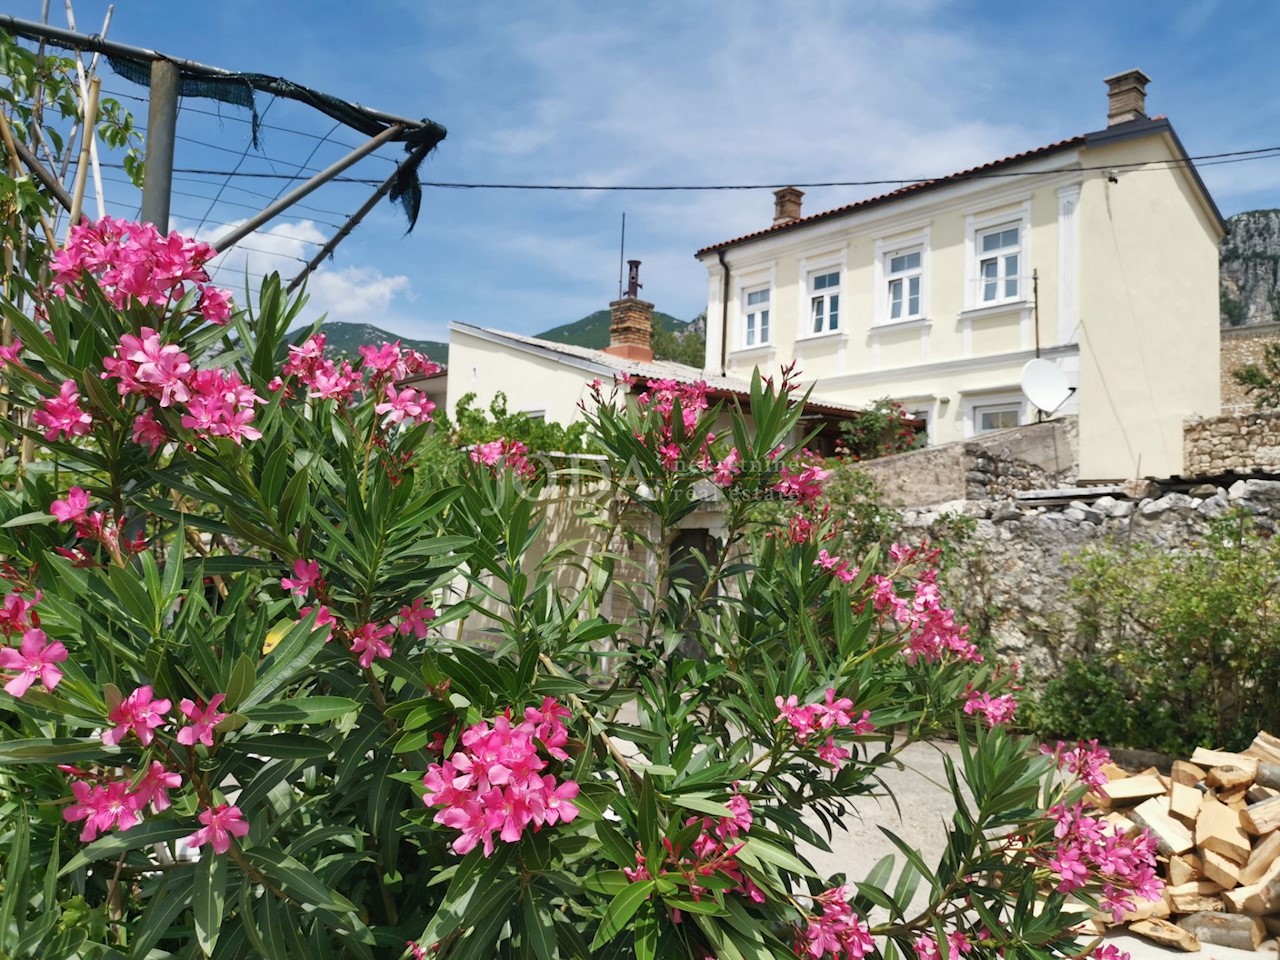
(926, 808)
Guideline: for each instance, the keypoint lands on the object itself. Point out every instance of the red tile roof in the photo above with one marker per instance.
(906, 191)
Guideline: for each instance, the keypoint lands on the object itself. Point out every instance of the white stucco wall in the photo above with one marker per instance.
(531, 383)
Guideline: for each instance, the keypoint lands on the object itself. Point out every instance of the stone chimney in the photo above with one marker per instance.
(786, 205)
(1127, 97)
(631, 322)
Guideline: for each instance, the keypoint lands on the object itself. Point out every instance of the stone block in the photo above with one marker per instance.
(1141, 489)
(1121, 508)
(1262, 489)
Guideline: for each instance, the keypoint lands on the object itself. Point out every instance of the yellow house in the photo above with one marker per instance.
(1099, 253)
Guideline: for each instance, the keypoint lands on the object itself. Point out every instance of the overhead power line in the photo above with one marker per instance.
(1138, 166)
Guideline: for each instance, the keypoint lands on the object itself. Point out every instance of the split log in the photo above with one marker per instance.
(1261, 861)
(1231, 776)
(1113, 772)
(1268, 775)
(1221, 758)
(1262, 817)
(1225, 929)
(1166, 934)
(1133, 789)
(1273, 925)
(1218, 828)
(1186, 772)
(1122, 825)
(1266, 900)
(1220, 869)
(1184, 801)
(1172, 837)
(1265, 747)
(1258, 792)
(1193, 902)
(1185, 868)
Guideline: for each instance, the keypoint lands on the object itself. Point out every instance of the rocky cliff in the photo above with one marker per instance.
(1249, 271)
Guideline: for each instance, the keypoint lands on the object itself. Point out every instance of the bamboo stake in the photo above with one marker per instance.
(86, 149)
(84, 96)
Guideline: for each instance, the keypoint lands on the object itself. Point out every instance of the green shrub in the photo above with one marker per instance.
(1179, 648)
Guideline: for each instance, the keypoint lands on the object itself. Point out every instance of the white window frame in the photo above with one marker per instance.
(979, 227)
(814, 296)
(902, 279)
(757, 324)
(978, 404)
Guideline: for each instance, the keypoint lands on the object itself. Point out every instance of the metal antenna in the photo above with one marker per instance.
(622, 252)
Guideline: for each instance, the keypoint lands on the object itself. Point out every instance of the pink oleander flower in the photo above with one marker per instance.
(510, 453)
(201, 721)
(1085, 760)
(135, 262)
(215, 306)
(407, 406)
(10, 353)
(370, 644)
(62, 414)
(221, 823)
(727, 469)
(995, 710)
(33, 660)
(832, 713)
(154, 785)
(18, 614)
(418, 952)
(306, 574)
(494, 784)
(221, 405)
(837, 932)
(415, 618)
(669, 453)
(804, 485)
(926, 948)
(1109, 951)
(833, 754)
(957, 945)
(102, 808)
(838, 568)
(149, 432)
(73, 508)
(140, 713)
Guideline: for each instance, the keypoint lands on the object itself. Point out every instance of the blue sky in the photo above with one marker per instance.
(661, 93)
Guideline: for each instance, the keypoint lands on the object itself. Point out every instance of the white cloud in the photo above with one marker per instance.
(358, 293)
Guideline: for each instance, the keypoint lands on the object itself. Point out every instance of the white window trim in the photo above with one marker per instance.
(809, 266)
(745, 311)
(883, 251)
(972, 403)
(743, 283)
(974, 225)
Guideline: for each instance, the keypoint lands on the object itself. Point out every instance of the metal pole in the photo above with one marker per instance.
(321, 178)
(353, 221)
(162, 129)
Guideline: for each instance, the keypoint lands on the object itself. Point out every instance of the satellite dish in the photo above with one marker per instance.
(1045, 385)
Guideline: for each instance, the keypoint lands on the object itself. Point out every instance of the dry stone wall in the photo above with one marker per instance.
(1242, 346)
(1011, 578)
(1034, 457)
(1240, 443)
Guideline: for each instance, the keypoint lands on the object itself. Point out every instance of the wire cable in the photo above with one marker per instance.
(1134, 166)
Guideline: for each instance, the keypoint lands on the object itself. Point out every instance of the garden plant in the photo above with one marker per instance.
(272, 689)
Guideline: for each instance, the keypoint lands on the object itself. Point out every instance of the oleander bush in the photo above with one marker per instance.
(244, 715)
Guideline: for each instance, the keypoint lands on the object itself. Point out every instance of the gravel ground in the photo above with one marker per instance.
(926, 808)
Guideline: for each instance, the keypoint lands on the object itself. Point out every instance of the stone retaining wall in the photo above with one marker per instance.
(1011, 580)
(1242, 346)
(1241, 443)
(1034, 457)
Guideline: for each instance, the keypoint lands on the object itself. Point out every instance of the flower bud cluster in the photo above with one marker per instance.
(495, 783)
(817, 718)
(503, 453)
(713, 852)
(35, 659)
(837, 931)
(135, 262)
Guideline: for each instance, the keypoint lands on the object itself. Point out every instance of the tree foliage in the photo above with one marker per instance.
(274, 690)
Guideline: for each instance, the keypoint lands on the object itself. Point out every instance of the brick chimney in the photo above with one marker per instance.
(1126, 97)
(631, 322)
(786, 205)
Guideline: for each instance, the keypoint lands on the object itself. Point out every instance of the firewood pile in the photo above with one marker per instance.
(1215, 819)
